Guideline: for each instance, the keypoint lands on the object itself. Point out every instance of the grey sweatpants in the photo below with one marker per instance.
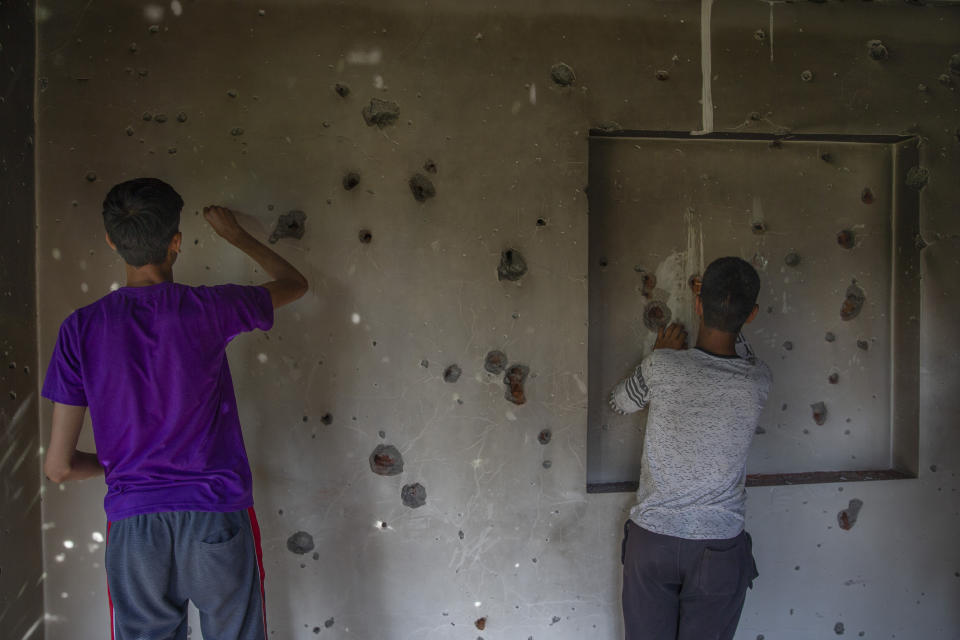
(679, 589)
(158, 562)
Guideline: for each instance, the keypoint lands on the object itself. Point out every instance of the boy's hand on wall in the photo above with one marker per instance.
(223, 222)
(672, 337)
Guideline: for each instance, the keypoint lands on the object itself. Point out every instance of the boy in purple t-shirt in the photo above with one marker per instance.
(149, 361)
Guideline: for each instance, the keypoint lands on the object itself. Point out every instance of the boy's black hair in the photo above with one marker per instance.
(141, 217)
(729, 293)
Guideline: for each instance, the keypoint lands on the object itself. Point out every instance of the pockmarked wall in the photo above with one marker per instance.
(463, 231)
(21, 555)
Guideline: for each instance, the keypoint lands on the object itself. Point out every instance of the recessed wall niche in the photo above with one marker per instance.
(831, 224)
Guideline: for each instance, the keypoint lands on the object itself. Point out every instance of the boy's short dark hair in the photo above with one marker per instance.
(729, 293)
(141, 217)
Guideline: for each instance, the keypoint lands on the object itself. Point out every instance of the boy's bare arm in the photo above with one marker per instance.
(63, 462)
(287, 285)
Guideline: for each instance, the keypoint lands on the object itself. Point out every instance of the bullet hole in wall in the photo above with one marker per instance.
(452, 373)
(329, 622)
(846, 239)
(546, 464)
(544, 436)
(413, 495)
(541, 222)
(788, 346)
(848, 517)
(838, 628)
(656, 315)
(792, 259)
(562, 74)
(91, 176)
(515, 379)
(954, 64)
(495, 362)
(181, 117)
(826, 156)
(758, 227)
(232, 93)
(866, 196)
(147, 116)
(819, 412)
(853, 303)
(385, 460)
(365, 236)
(863, 345)
(381, 113)
(945, 80)
(160, 118)
(351, 180)
(300, 543)
(806, 75)
(759, 35)
(289, 225)
(648, 281)
(430, 166)
(512, 266)
(342, 90)
(829, 336)
(877, 50)
(129, 131)
(326, 419)
(917, 177)
(833, 378)
(480, 623)
(662, 75)
(421, 187)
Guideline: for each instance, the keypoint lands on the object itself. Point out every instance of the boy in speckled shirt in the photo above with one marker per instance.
(687, 561)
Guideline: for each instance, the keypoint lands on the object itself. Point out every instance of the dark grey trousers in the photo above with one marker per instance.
(158, 562)
(678, 589)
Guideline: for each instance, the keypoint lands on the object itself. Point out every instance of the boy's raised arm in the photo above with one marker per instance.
(287, 285)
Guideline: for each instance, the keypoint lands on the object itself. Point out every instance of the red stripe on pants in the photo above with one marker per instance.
(109, 599)
(255, 527)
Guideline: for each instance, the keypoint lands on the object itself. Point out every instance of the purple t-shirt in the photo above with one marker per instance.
(150, 363)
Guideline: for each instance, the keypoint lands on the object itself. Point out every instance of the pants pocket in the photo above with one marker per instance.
(752, 573)
(221, 536)
(623, 545)
(721, 571)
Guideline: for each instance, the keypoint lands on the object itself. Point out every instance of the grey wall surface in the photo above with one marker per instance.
(503, 534)
(21, 555)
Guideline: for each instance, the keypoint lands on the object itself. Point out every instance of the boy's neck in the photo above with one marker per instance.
(721, 343)
(149, 274)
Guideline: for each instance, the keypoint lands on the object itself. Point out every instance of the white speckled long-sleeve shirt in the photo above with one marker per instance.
(704, 411)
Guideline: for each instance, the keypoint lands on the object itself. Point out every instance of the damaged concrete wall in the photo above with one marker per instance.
(21, 558)
(410, 483)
